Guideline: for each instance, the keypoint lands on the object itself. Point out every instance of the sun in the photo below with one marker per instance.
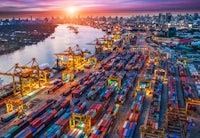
(71, 9)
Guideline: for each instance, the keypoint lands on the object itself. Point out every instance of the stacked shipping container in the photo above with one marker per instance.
(132, 118)
(154, 111)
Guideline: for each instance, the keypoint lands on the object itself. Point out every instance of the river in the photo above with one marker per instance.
(44, 51)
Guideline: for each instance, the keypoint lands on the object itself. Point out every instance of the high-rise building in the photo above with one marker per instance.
(161, 18)
(168, 17)
(196, 16)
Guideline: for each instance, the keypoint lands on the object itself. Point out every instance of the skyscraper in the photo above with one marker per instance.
(168, 17)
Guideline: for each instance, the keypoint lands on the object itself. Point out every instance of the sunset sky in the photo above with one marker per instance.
(98, 6)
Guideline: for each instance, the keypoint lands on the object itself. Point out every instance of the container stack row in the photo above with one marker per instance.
(172, 95)
(75, 133)
(150, 67)
(86, 83)
(141, 61)
(154, 111)
(129, 66)
(122, 60)
(94, 112)
(162, 64)
(56, 85)
(80, 107)
(186, 87)
(104, 126)
(109, 62)
(38, 120)
(127, 86)
(133, 115)
(170, 69)
(59, 127)
(9, 116)
(196, 77)
(96, 89)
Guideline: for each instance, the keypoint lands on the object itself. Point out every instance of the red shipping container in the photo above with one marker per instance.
(79, 103)
(121, 132)
(19, 122)
(59, 121)
(110, 109)
(65, 121)
(36, 122)
(30, 119)
(50, 117)
(130, 126)
(102, 129)
(136, 117)
(65, 103)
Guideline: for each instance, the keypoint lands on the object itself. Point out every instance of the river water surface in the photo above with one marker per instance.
(44, 51)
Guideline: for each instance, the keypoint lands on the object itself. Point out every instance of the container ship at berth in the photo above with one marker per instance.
(128, 89)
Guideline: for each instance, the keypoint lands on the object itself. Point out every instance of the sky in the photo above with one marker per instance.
(97, 6)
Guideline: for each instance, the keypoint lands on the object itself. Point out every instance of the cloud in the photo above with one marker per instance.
(99, 5)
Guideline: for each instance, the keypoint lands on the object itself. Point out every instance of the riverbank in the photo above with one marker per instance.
(14, 37)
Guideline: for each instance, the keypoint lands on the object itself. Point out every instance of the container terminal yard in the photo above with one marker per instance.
(126, 89)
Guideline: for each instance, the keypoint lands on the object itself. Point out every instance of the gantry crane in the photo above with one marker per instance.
(74, 58)
(157, 57)
(161, 73)
(176, 121)
(148, 87)
(117, 33)
(80, 121)
(191, 101)
(12, 104)
(103, 44)
(44, 75)
(108, 43)
(99, 46)
(25, 78)
(93, 60)
(67, 75)
(146, 131)
(115, 78)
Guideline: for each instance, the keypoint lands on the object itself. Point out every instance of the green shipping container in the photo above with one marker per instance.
(14, 130)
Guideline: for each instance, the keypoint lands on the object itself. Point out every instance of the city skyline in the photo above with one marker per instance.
(88, 7)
